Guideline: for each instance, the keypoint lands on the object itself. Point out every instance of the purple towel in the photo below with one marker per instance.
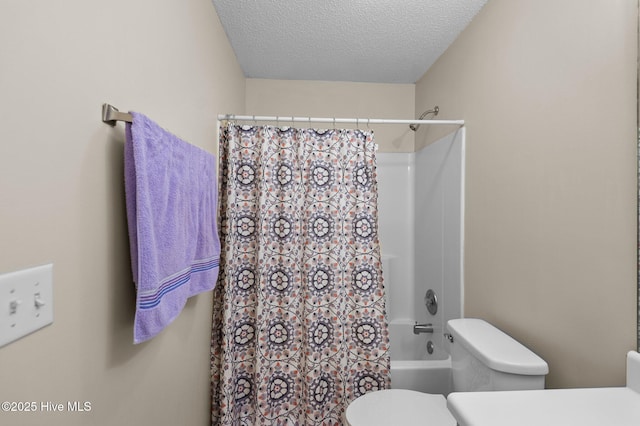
(171, 196)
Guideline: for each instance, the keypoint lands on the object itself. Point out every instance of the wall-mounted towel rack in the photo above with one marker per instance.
(111, 115)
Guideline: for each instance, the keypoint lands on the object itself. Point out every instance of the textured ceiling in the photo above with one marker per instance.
(383, 41)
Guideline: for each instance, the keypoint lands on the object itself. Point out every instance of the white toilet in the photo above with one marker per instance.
(483, 358)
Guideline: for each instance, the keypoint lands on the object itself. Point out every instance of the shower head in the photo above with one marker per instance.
(433, 111)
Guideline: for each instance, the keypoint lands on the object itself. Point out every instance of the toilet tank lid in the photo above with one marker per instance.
(496, 349)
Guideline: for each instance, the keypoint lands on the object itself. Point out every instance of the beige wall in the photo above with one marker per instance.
(339, 99)
(548, 92)
(61, 200)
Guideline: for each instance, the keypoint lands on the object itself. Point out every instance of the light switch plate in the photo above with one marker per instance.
(26, 302)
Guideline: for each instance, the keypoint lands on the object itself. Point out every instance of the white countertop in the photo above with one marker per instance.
(584, 407)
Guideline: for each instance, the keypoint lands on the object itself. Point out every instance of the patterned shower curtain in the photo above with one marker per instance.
(299, 325)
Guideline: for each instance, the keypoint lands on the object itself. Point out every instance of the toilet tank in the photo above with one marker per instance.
(484, 358)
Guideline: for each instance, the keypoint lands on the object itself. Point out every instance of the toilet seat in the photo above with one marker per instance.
(399, 407)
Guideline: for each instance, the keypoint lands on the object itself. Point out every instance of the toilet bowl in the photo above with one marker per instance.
(403, 407)
(483, 358)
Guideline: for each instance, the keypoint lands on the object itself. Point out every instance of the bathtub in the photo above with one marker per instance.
(412, 367)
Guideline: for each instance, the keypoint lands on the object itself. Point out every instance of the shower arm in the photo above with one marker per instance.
(433, 111)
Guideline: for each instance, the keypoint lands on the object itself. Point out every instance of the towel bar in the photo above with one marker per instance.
(111, 115)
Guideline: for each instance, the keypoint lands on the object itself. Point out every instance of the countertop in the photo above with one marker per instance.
(618, 406)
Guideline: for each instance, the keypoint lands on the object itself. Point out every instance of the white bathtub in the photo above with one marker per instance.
(412, 367)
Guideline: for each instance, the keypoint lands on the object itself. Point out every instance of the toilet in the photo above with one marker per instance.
(483, 358)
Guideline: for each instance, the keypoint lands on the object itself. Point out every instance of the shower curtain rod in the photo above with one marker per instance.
(111, 115)
(358, 121)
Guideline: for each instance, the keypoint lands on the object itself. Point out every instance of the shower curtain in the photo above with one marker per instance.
(299, 325)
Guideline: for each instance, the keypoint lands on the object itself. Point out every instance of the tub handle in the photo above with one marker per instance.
(422, 328)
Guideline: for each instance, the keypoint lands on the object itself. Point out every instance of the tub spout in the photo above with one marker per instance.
(422, 328)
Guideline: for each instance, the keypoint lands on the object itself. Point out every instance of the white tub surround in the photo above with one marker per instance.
(421, 220)
(407, 346)
(412, 367)
(395, 224)
(439, 229)
(557, 407)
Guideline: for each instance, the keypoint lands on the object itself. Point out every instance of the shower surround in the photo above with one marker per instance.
(421, 202)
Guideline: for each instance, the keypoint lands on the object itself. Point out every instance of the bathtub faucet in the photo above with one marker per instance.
(422, 328)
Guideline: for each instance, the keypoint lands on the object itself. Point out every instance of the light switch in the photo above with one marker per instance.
(26, 302)
(13, 307)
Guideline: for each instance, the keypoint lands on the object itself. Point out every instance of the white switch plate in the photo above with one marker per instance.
(26, 302)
